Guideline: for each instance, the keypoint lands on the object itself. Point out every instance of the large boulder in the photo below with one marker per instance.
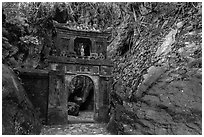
(73, 109)
(18, 114)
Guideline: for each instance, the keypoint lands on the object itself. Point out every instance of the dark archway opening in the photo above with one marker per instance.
(86, 43)
(82, 98)
(82, 93)
(88, 105)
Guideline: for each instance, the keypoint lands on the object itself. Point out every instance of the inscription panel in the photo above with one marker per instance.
(82, 69)
(105, 70)
(70, 68)
(95, 70)
(57, 67)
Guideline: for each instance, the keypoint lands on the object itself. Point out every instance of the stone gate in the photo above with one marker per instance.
(78, 53)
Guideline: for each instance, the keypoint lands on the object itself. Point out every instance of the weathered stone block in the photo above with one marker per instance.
(37, 89)
(57, 116)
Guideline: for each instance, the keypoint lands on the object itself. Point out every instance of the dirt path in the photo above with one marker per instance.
(75, 129)
(80, 125)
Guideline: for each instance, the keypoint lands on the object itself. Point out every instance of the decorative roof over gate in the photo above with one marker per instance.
(81, 28)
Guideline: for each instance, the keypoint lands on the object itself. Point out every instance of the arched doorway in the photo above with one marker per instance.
(81, 96)
(86, 43)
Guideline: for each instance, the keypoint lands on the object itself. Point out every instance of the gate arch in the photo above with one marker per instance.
(79, 60)
(95, 80)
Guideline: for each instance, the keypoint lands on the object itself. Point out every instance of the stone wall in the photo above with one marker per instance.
(36, 85)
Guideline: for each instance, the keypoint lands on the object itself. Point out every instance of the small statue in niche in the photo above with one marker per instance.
(82, 50)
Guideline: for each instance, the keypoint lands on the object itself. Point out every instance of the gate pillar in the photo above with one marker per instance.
(57, 99)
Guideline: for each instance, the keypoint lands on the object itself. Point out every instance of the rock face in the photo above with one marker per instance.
(171, 106)
(18, 114)
(166, 103)
(159, 80)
